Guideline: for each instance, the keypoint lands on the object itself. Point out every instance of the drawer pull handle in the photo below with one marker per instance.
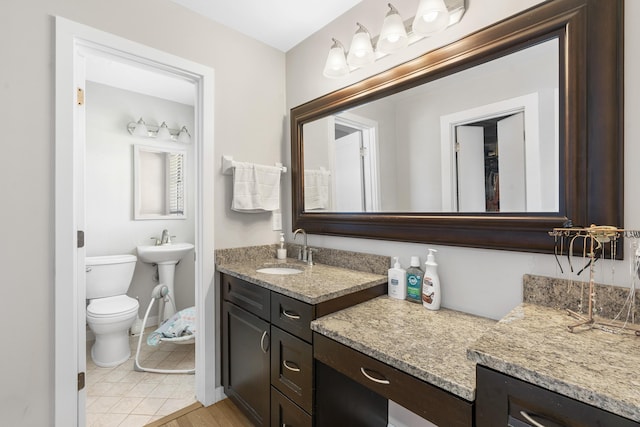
(262, 346)
(293, 316)
(290, 366)
(530, 420)
(375, 380)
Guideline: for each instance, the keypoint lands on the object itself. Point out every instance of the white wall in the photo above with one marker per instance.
(109, 182)
(249, 121)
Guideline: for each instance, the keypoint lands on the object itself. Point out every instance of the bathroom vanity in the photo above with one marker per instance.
(531, 366)
(267, 343)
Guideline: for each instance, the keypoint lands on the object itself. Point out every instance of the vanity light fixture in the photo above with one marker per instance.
(432, 16)
(393, 35)
(336, 65)
(361, 49)
(162, 132)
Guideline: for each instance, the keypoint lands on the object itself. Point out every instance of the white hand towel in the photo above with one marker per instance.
(256, 188)
(316, 189)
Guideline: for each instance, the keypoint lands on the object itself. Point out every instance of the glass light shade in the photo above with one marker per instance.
(163, 132)
(393, 36)
(141, 128)
(336, 65)
(184, 136)
(432, 17)
(361, 50)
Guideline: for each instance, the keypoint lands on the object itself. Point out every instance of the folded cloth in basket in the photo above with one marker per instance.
(180, 324)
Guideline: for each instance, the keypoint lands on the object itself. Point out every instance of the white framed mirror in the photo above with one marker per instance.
(159, 183)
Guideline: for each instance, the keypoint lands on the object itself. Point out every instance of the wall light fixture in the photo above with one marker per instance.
(162, 132)
(432, 16)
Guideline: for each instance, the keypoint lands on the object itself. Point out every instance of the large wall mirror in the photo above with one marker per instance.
(490, 141)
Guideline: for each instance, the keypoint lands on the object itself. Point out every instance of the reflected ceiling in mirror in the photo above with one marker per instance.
(484, 139)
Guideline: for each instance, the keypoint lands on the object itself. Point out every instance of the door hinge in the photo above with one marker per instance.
(80, 239)
(80, 96)
(80, 380)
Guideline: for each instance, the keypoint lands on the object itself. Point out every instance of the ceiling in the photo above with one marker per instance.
(281, 24)
(278, 23)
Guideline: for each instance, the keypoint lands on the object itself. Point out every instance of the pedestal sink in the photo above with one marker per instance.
(166, 257)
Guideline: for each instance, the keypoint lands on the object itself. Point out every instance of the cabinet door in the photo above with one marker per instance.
(245, 359)
(285, 413)
(292, 368)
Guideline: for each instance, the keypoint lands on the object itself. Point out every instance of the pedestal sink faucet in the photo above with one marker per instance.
(166, 238)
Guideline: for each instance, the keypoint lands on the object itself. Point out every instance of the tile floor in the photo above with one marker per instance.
(123, 397)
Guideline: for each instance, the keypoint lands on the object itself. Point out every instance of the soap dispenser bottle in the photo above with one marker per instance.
(431, 284)
(282, 251)
(397, 280)
(414, 280)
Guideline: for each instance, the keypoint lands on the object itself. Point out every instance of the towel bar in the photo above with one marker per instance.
(228, 164)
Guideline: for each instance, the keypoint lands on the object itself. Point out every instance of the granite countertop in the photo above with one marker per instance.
(316, 284)
(599, 368)
(429, 345)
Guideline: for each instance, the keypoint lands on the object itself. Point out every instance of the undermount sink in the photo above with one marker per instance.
(279, 270)
(169, 253)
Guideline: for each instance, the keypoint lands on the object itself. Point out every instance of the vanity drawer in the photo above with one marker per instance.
(253, 298)
(502, 400)
(292, 368)
(286, 413)
(292, 315)
(426, 400)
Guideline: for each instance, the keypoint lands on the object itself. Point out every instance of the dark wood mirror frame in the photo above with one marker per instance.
(590, 36)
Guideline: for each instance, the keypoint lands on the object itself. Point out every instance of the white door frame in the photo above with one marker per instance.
(371, 172)
(69, 211)
(527, 103)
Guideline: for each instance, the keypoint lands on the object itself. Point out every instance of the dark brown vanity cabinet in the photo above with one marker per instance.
(503, 400)
(267, 350)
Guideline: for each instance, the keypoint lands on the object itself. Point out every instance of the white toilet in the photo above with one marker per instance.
(110, 312)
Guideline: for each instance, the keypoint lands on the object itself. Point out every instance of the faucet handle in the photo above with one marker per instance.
(156, 241)
(310, 252)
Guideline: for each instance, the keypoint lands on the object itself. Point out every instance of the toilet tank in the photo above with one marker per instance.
(109, 275)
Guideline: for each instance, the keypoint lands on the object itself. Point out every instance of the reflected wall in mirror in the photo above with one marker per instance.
(159, 183)
(419, 153)
(426, 149)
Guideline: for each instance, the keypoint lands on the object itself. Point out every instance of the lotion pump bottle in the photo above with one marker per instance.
(397, 280)
(431, 284)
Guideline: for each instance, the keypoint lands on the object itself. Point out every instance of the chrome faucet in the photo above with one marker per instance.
(166, 238)
(302, 255)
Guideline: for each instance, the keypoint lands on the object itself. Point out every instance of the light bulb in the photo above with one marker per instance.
(336, 65)
(432, 16)
(393, 36)
(163, 132)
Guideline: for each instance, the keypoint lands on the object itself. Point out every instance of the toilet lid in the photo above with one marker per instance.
(111, 306)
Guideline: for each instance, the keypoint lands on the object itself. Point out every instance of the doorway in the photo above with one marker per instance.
(73, 41)
(353, 157)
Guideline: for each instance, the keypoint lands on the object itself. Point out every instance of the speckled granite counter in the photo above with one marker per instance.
(430, 345)
(314, 285)
(532, 343)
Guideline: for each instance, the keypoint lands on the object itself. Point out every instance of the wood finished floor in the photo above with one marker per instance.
(220, 414)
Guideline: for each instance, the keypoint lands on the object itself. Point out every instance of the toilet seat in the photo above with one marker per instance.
(120, 305)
